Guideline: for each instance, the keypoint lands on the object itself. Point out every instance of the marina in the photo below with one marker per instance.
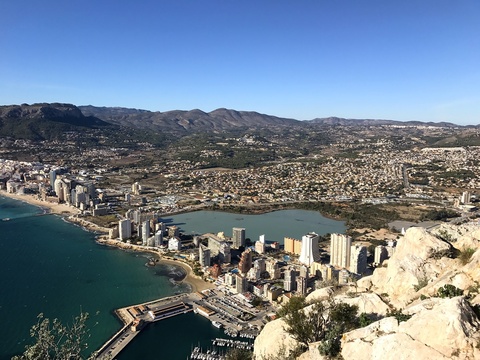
(237, 344)
(198, 354)
(219, 354)
(137, 317)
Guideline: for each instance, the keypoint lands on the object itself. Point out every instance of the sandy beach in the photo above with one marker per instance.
(49, 207)
(70, 212)
(195, 282)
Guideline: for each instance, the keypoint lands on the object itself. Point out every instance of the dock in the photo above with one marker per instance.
(136, 317)
(224, 312)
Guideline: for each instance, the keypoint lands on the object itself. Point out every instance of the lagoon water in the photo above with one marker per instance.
(274, 225)
(53, 267)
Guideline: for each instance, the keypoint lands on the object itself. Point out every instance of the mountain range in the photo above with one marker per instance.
(50, 120)
(223, 119)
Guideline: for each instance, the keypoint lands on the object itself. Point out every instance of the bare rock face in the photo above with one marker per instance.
(369, 303)
(462, 236)
(472, 268)
(365, 283)
(273, 339)
(438, 329)
(407, 266)
(320, 294)
(463, 275)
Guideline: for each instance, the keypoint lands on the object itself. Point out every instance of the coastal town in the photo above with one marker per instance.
(239, 283)
(349, 169)
(235, 180)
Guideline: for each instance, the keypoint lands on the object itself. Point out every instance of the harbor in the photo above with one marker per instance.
(224, 312)
(136, 317)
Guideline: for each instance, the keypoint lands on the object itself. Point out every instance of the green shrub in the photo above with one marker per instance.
(466, 255)
(398, 314)
(364, 320)
(422, 282)
(449, 291)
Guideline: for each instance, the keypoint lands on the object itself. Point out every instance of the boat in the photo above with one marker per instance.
(217, 324)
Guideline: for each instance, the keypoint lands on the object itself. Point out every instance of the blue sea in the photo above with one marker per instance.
(50, 266)
(53, 267)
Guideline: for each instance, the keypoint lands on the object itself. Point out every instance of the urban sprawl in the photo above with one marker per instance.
(259, 272)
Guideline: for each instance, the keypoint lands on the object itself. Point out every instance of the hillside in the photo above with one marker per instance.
(186, 121)
(352, 122)
(45, 121)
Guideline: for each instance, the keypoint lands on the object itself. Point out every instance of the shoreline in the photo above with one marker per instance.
(68, 213)
(196, 284)
(46, 206)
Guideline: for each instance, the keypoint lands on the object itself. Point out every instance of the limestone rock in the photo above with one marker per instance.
(462, 236)
(407, 266)
(312, 353)
(369, 303)
(446, 325)
(365, 283)
(472, 268)
(475, 300)
(438, 329)
(320, 294)
(273, 339)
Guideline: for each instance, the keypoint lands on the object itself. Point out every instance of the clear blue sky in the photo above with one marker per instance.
(383, 59)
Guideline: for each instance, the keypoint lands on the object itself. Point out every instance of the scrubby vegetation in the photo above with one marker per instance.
(321, 321)
(54, 340)
(449, 291)
(398, 314)
(438, 215)
(465, 255)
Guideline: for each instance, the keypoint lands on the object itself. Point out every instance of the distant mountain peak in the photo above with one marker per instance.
(42, 121)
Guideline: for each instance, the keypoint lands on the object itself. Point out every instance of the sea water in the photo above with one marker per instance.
(53, 267)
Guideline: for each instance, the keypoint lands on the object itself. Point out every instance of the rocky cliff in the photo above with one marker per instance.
(45, 121)
(439, 328)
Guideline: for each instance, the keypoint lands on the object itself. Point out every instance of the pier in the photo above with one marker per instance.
(136, 317)
(224, 311)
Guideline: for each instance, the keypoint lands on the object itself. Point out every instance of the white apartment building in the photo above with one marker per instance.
(358, 259)
(309, 252)
(125, 229)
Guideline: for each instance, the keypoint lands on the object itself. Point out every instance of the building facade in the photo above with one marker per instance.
(245, 263)
(145, 232)
(340, 246)
(381, 254)
(125, 229)
(289, 282)
(238, 238)
(309, 252)
(203, 255)
(358, 259)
